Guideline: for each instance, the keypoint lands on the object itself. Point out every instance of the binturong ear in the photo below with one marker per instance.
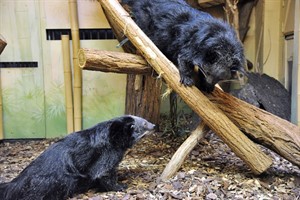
(121, 132)
(129, 128)
(116, 126)
(116, 130)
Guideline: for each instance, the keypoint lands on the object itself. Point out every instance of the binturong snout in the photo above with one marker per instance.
(149, 126)
(142, 127)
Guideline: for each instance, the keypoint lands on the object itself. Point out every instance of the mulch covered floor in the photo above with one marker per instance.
(211, 171)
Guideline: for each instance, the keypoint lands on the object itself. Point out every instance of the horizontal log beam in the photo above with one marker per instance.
(116, 62)
(215, 119)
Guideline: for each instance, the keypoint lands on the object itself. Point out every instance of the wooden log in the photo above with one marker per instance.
(211, 115)
(140, 94)
(185, 148)
(2, 43)
(232, 15)
(265, 128)
(116, 62)
(142, 91)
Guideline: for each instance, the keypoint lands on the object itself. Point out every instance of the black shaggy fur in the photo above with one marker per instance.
(189, 37)
(80, 161)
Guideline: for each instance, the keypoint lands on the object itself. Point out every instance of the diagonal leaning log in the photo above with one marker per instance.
(215, 119)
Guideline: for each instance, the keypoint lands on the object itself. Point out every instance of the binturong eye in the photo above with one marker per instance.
(145, 124)
(234, 69)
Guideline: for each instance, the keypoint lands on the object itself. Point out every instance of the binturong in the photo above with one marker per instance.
(80, 161)
(191, 39)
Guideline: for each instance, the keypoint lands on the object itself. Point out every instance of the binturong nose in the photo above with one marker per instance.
(151, 126)
(148, 126)
(154, 126)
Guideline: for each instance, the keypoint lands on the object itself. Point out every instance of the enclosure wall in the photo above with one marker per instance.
(33, 97)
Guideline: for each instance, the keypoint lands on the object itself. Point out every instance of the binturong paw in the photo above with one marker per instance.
(186, 81)
(120, 187)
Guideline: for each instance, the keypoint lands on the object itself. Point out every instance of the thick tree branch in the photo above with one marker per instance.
(116, 62)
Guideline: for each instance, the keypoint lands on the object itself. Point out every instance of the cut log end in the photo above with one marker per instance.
(116, 62)
(81, 58)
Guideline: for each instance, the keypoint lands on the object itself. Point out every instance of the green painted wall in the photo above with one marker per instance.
(22, 89)
(33, 98)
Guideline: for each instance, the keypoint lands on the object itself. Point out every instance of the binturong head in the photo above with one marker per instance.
(141, 127)
(125, 131)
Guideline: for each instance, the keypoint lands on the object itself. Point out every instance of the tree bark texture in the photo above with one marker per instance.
(215, 119)
(265, 128)
(138, 101)
(116, 62)
(142, 91)
(232, 12)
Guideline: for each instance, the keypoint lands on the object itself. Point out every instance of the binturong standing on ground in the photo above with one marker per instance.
(190, 38)
(80, 161)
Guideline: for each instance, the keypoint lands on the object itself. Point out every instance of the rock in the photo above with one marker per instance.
(211, 196)
(266, 93)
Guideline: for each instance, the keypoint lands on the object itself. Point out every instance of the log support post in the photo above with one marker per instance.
(142, 90)
(183, 151)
